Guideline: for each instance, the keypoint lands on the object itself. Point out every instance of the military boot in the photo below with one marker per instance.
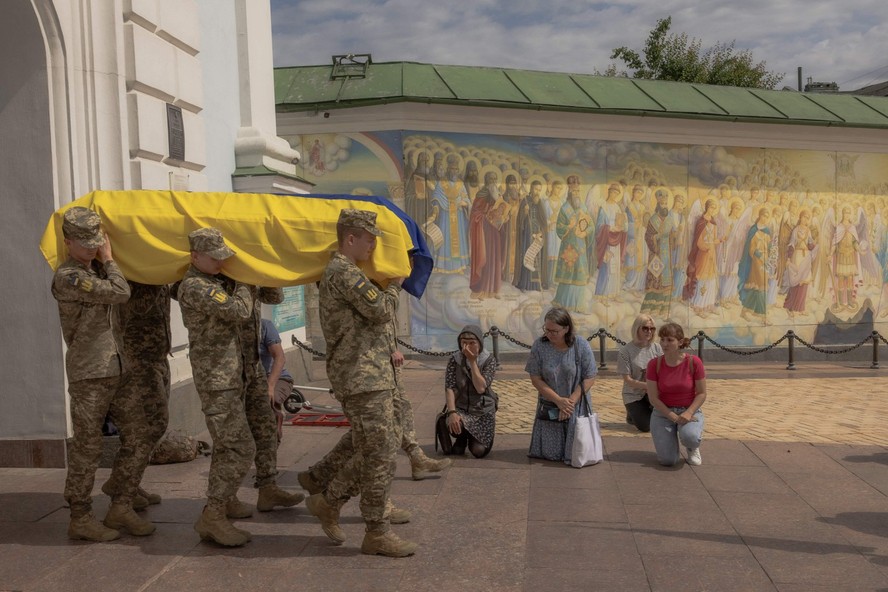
(214, 526)
(308, 483)
(328, 515)
(422, 466)
(388, 544)
(396, 515)
(121, 516)
(271, 496)
(151, 498)
(140, 502)
(87, 528)
(237, 509)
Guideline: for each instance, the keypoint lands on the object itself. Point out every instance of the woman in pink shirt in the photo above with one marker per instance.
(676, 387)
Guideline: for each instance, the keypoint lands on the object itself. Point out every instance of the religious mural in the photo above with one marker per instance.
(741, 243)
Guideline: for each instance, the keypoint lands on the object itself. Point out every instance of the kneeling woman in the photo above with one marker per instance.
(471, 403)
(676, 385)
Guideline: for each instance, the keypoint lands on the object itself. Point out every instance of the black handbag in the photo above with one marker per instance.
(442, 434)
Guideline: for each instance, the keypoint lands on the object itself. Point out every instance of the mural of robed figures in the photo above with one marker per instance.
(743, 243)
(532, 260)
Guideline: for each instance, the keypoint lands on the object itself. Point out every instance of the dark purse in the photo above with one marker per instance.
(442, 433)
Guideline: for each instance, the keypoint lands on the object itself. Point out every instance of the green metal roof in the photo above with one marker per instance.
(309, 88)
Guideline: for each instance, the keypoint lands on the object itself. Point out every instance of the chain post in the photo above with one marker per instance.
(700, 336)
(494, 338)
(875, 350)
(791, 349)
(602, 349)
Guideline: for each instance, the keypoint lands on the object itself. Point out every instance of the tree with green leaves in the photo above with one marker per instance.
(671, 56)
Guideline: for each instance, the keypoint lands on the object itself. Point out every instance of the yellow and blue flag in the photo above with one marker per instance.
(280, 240)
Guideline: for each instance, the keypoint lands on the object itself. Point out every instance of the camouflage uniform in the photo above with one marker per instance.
(213, 308)
(87, 296)
(326, 469)
(260, 415)
(145, 323)
(354, 314)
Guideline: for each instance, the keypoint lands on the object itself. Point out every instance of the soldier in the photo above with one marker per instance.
(213, 310)
(145, 327)
(88, 287)
(260, 414)
(316, 478)
(354, 317)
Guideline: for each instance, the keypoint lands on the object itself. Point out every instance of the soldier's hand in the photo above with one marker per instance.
(397, 359)
(104, 253)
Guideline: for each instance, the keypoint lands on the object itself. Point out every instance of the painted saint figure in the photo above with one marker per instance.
(610, 244)
(450, 204)
(485, 272)
(572, 270)
(531, 260)
(753, 268)
(797, 273)
(701, 287)
(659, 237)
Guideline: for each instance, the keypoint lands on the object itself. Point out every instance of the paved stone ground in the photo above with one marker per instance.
(791, 497)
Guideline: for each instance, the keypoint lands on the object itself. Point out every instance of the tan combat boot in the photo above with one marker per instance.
(308, 483)
(396, 515)
(214, 526)
(328, 515)
(237, 509)
(121, 516)
(271, 496)
(388, 544)
(140, 502)
(151, 498)
(422, 466)
(87, 528)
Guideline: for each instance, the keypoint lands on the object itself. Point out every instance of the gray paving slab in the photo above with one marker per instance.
(758, 515)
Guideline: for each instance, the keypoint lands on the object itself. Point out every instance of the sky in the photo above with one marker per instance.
(844, 42)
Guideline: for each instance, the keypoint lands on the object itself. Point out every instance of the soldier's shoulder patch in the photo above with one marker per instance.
(84, 283)
(366, 289)
(217, 295)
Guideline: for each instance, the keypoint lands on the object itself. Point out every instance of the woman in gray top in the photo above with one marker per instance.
(631, 364)
(562, 370)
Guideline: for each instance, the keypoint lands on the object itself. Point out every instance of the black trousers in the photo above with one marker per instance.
(640, 412)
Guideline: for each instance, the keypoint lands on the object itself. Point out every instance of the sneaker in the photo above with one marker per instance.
(422, 466)
(307, 482)
(87, 528)
(271, 496)
(237, 509)
(694, 458)
(388, 544)
(328, 515)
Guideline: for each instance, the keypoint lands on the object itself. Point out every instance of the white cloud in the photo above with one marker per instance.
(832, 41)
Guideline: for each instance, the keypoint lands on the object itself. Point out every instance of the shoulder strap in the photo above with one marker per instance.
(691, 364)
(658, 365)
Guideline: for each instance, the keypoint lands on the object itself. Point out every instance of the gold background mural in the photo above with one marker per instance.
(740, 243)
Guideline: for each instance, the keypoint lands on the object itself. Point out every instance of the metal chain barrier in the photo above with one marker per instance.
(513, 340)
(308, 348)
(834, 351)
(602, 334)
(739, 352)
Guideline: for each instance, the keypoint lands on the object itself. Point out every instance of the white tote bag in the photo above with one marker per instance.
(587, 448)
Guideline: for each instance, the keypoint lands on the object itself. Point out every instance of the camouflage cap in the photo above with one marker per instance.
(359, 219)
(210, 241)
(84, 226)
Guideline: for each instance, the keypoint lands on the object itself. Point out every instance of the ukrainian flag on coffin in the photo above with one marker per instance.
(280, 240)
